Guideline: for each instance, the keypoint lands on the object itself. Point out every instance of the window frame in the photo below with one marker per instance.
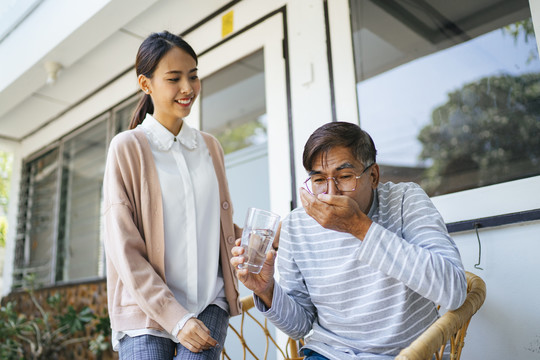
(511, 197)
(23, 230)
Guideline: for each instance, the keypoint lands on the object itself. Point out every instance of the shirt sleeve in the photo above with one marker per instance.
(180, 325)
(292, 310)
(423, 257)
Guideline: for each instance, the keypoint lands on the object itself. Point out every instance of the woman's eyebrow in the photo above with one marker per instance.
(179, 72)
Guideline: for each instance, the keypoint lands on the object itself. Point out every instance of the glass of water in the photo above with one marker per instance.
(257, 237)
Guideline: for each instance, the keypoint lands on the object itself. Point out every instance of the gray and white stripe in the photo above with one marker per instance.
(353, 299)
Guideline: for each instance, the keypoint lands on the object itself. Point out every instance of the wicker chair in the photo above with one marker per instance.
(288, 351)
(450, 327)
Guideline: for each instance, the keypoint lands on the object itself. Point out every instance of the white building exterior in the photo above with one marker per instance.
(291, 65)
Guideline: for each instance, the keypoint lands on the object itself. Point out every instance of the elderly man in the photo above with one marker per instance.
(362, 264)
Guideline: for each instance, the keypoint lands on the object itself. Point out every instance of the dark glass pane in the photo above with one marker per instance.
(36, 221)
(122, 117)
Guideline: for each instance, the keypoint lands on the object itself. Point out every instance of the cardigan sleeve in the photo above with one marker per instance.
(141, 283)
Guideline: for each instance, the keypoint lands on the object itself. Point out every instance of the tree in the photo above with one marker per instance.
(5, 175)
(525, 29)
(488, 129)
(241, 136)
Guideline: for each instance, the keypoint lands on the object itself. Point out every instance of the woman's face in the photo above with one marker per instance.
(174, 86)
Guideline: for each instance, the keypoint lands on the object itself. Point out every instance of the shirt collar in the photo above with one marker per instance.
(163, 139)
(374, 204)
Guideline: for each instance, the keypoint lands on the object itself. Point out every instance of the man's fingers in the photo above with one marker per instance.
(308, 202)
(237, 250)
(237, 257)
(305, 197)
(334, 200)
(243, 275)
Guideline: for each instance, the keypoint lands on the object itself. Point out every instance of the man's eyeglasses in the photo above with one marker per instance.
(345, 182)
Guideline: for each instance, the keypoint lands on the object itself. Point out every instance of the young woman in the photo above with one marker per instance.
(168, 219)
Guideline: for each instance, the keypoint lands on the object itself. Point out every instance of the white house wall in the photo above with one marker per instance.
(506, 327)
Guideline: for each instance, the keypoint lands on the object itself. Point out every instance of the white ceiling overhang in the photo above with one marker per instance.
(94, 41)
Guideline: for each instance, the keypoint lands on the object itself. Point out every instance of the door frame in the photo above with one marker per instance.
(268, 33)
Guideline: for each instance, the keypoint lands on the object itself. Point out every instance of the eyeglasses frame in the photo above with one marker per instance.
(336, 182)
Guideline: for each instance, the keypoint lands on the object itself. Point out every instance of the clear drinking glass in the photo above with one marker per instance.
(259, 231)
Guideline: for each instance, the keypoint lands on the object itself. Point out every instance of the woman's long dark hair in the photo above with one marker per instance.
(150, 53)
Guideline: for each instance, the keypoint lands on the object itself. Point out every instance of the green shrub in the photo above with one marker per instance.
(3, 231)
(51, 330)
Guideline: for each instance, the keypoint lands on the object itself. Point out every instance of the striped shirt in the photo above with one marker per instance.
(352, 299)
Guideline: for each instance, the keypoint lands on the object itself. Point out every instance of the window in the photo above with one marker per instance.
(80, 252)
(36, 230)
(122, 117)
(59, 236)
(233, 109)
(233, 104)
(449, 91)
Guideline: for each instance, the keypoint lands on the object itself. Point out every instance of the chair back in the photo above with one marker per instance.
(289, 350)
(450, 329)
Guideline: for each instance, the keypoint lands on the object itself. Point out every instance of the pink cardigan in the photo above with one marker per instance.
(138, 296)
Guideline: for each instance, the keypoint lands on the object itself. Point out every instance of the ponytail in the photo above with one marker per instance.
(145, 106)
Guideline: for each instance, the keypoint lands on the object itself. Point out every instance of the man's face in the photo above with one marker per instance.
(340, 160)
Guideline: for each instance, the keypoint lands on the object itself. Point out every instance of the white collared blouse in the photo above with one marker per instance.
(191, 208)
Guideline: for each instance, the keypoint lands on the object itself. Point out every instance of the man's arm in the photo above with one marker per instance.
(292, 310)
(288, 307)
(287, 314)
(423, 256)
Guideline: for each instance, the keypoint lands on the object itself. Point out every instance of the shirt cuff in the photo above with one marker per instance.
(277, 303)
(181, 324)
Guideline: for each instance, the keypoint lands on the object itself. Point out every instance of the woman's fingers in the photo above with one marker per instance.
(195, 336)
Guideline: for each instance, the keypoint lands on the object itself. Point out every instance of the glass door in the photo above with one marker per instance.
(233, 109)
(243, 104)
